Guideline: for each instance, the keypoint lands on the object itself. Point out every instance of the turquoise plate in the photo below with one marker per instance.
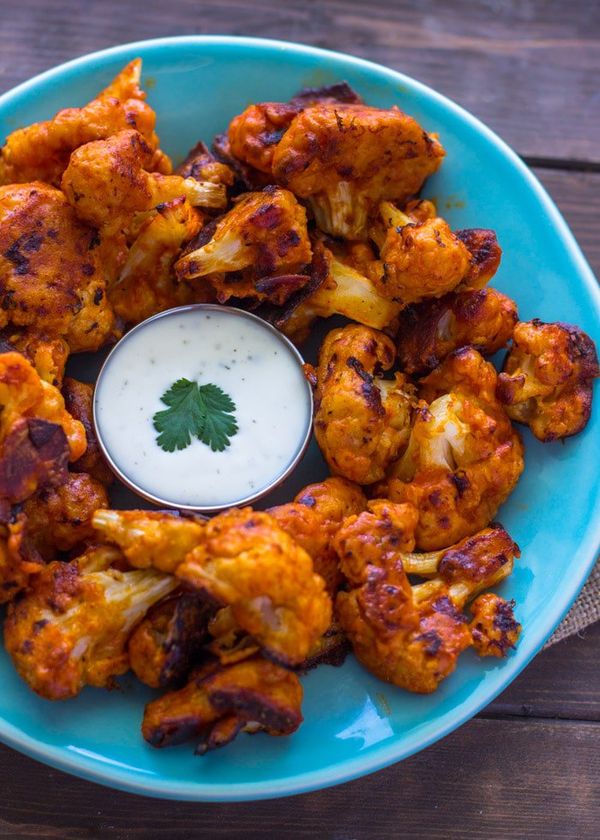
(354, 724)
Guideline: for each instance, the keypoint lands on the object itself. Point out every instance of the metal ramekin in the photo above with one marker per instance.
(246, 500)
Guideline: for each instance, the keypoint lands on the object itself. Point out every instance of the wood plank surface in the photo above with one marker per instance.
(562, 682)
(529, 69)
(492, 779)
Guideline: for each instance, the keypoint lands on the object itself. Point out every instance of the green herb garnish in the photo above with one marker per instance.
(201, 411)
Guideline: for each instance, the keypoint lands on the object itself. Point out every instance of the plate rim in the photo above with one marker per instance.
(154, 786)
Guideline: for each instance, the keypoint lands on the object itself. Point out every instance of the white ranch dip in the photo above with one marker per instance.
(248, 360)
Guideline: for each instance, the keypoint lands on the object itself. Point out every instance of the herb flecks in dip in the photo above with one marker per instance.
(258, 398)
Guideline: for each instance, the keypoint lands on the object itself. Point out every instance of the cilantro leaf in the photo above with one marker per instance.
(201, 411)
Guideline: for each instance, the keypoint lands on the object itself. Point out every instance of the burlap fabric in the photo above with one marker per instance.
(585, 610)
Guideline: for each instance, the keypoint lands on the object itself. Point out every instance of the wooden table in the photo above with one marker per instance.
(529, 765)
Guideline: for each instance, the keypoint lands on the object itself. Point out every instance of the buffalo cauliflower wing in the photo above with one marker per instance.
(431, 330)
(165, 644)
(108, 182)
(248, 563)
(47, 355)
(149, 539)
(313, 518)
(52, 273)
(493, 627)
(547, 379)
(146, 283)
(412, 644)
(40, 152)
(23, 395)
(220, 701)
(260, 249)
(362, 423)
(463, 459)
(423, 258)
(342, 158)
(60, 518)
(337, 286)
(71, 627)
(408, 635)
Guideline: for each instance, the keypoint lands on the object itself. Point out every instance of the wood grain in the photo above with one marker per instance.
(562, 682)
(528, 69)
(492, 779)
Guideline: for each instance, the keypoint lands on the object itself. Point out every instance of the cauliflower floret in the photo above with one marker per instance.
(149, 539)
(47, 355)
(423, 258)
(107, 182)
(494, 628)
(336, 287)
(146, 284)
(408, 635)
(24, 395)
(345, 159)
(313, 518)
(52, 273)
(163, 647)
(431, 330)
(221, 701)
(72, 626)
(247, 562)
(463, 459)
(548, 377)
(60, 518)
(264, 239)
(362, 423)
(40, 152)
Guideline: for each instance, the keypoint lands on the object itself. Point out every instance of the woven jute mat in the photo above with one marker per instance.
(585, 610)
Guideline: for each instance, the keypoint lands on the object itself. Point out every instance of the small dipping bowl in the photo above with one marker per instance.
(251, 361)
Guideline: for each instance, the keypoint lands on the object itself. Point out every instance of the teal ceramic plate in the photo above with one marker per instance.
(354, 724)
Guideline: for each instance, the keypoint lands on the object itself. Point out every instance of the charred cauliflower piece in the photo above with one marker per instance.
(52, 275)
(108, 182)
(78, 397)
(201, 165)
(262, 241)
(362, 423)
(47, 355)
(146, 283)
(60, 518)
(346, 158)
(424, 259)
(40, 152)
(463, 459)
(253, 135)
(164, 646)
(431, 330)
(221, 701)
(548, 377)
(72, 626)
(313, 518)
(411, 643)
(247, 562)
(24, 395)
(466, 568)
(336, 287)
(149, 539)
(494, 628)
(412, 635)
